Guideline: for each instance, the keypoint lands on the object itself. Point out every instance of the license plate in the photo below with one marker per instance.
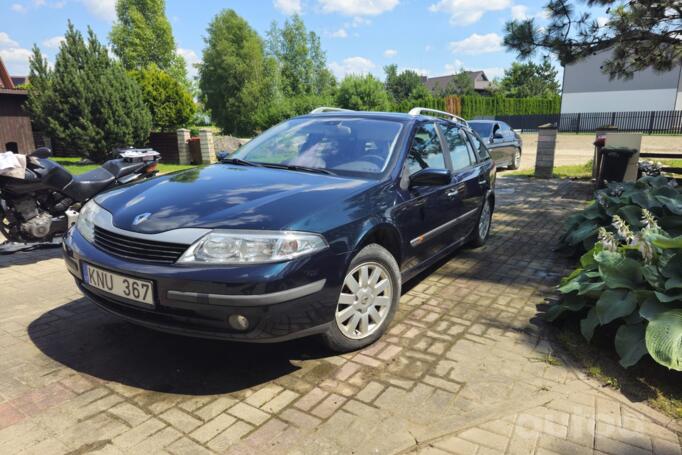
(141, 291)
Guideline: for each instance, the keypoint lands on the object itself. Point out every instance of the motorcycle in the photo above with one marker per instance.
(35, 211)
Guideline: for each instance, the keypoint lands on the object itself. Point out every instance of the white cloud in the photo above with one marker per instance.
(101, 9)
(18, 8)
(53, 42)
(191, 59)
(340, 33)
(358, 7)
(351, 65)
(6, 41)
(602, 21)
(390, 53)
(427, 48)
(16, 60)
(477, 44)
(493, 72)
(288, 7)
(454, 67)
(519, 12)
(39, 3)
(467, 12)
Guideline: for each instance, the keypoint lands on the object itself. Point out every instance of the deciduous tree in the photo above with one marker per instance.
(232, 76)
(362, 93)
(530, 79)
(142, 36)
(301, 62)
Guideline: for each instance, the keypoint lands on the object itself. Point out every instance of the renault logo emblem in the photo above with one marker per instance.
(142, 217)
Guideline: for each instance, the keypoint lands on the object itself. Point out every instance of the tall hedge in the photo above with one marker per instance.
(474, 106)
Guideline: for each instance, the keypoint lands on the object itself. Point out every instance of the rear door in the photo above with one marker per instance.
(497, 146)
(467, 179)
(423, 218)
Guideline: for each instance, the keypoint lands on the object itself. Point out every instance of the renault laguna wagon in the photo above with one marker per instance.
(310, 228)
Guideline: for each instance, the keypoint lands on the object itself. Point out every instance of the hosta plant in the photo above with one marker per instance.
(626, 200)
(631, 277)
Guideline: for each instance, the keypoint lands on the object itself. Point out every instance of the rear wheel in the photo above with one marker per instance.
(516, 160)
(367, 302)
(482, 229)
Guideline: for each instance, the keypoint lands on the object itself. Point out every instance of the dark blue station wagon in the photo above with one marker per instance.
(310, 228)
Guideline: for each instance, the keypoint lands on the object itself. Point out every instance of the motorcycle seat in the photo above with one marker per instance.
(86, 185)
(119, 168)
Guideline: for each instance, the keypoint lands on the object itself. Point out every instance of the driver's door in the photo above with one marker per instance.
(426, 211)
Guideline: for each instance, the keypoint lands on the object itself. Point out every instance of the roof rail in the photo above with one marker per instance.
(421, 110)
(321, 109)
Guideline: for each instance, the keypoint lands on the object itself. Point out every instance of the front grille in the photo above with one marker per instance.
(137, 249)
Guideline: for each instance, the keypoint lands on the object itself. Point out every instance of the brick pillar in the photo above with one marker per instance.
(183, 146)
(544, 160)
(207, 147)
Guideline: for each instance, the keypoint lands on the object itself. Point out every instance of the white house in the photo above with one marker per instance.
(587, 89)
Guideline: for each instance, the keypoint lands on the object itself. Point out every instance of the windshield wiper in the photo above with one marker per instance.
(295, 167)
(240, 162)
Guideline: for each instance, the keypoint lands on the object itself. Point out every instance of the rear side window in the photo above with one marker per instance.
(425, 150)
(479, 147)
(459, 152)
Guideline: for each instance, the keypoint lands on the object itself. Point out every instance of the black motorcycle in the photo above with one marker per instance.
(37, 210)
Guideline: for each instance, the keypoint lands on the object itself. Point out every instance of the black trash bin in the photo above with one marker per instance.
(614, 163)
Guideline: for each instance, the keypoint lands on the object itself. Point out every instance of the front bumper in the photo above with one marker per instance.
(281, 301)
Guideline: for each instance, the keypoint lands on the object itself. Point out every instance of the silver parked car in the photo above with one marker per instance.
(505, 144)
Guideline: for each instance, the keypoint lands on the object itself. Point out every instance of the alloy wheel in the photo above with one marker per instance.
(365, 300)
(484, 220)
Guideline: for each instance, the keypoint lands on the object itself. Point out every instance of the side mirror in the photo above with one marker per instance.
(431, 177)
(498, 135)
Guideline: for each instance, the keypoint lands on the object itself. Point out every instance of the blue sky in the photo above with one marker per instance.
(434, 37)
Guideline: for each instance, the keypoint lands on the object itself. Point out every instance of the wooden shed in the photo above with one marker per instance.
(16, 133)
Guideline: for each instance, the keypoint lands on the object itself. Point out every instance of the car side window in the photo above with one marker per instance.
(479, 147)
(459, 154)
(425, 150)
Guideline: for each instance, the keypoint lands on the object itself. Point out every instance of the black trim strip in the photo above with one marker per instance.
(254, 299)
(443, 227)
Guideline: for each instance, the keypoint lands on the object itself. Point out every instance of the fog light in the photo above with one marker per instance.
(238, 322)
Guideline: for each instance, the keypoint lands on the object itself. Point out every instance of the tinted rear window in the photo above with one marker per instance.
(483, 129)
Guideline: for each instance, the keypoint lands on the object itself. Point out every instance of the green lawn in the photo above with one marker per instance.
(579, 171)
(73, 166)
(573, 171)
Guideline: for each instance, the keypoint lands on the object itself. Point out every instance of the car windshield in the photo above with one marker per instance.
(344, 145)
(483, 129)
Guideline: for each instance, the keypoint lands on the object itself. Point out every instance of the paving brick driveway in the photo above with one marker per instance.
(464, 368)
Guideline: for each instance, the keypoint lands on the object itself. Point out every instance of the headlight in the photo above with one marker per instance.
(252, 247)
(86, 220)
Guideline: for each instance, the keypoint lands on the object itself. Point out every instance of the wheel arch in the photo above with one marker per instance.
(385, 235)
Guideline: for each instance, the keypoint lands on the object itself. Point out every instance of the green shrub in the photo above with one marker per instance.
(626, 200)
(169, 102)
(362, 93)
(632, 274)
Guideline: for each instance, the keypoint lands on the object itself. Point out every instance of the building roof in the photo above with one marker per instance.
(8, 82)
(479, 79)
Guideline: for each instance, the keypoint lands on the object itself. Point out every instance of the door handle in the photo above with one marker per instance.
(452, 193)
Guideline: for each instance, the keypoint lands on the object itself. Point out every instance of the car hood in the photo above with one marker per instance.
(227, 196)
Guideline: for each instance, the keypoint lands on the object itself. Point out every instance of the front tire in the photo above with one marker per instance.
(367, 302)
(516, 160)
(482, 228)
